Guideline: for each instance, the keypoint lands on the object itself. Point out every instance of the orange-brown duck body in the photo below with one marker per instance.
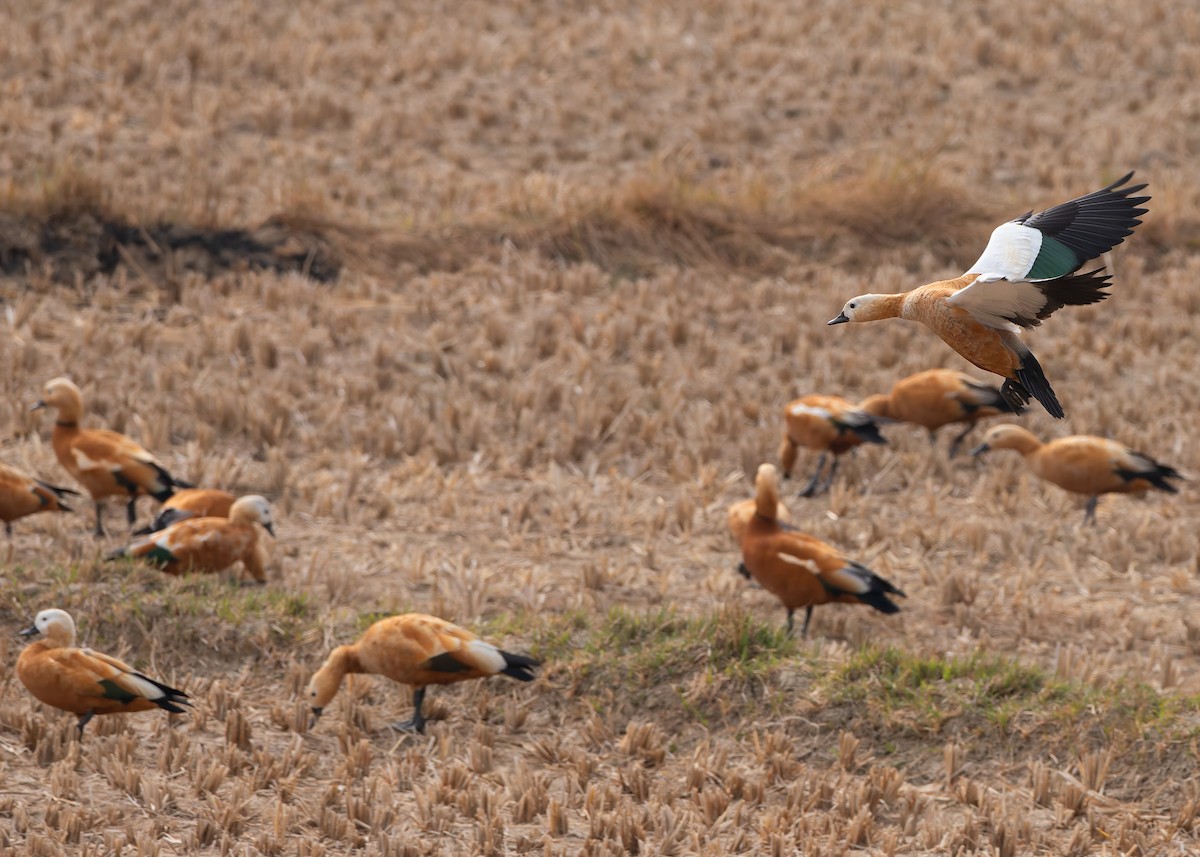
(936, 398)
(21, 495)
(190, 503)
(105, 463)
(1083, 464)
(208, 545)
(86, 682)
(829, 425)
(1026, 273)
(416, 650)
(802, 571)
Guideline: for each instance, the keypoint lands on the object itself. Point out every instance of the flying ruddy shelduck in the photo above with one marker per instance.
(86, 682)
(1084, 464)
(417, 650)
(1026, 272)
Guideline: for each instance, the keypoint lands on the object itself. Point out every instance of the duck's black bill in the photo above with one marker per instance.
(841, 319)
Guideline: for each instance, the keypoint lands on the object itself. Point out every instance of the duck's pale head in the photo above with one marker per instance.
(253, 507)
(62, 395)
(867, 308)
(56, 624)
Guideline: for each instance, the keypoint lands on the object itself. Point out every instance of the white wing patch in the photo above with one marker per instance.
(83, 462)
(486, 656)
(141, 686)
(994, 302)
(796, 561)
(1010, 252)
(847, 580)
(800, 409)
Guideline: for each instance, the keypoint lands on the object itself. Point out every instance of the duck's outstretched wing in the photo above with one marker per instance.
(1060, 240)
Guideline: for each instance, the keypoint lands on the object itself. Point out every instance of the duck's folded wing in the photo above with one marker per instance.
(1059, 240)
(1002, 303)
(462, 655)
(94, 673)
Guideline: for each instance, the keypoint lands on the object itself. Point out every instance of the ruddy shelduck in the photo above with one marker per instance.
(86, 682)
(1083, 464)
(825, 424)
(208, 544)
(802, 571)
(190, 503)
(936, 398)
(416, 650)
(105, 463)
(21, 495)
(1026, 272)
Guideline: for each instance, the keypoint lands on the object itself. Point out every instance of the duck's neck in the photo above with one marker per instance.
(878, 405)
(766, 497)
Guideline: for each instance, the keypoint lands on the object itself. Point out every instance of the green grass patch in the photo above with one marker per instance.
(985, 692)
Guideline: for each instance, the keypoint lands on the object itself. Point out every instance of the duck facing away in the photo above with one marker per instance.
(1026, 272)
(85, 682)
(208, 544)
(802, 571)
(417, 650)
(21, 495)
(936, 398)
(105, 463)
(1083, 464)
(825, 424)
(739, 516)
(189, 503)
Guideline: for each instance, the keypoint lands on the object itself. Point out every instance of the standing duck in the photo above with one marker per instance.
(825, 424)
(105, 463)
(417, 650)
(1083, 464)
(86, 682)
(802, 571)
(936, 398)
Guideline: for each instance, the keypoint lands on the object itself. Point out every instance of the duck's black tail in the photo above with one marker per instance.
(519, 667)
(1156, 474)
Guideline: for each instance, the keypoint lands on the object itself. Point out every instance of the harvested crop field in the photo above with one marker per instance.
(499, 305)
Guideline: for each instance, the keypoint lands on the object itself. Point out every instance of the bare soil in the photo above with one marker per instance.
(499, 305)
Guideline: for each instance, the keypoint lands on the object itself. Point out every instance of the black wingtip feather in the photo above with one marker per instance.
(1074, 290)
(1093, 224)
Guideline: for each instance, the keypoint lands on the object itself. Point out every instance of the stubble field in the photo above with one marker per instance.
(499, 305)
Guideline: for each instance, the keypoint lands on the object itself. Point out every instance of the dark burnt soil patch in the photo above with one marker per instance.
(80, 244)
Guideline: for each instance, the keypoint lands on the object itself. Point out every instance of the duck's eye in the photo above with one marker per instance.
(853, 305)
